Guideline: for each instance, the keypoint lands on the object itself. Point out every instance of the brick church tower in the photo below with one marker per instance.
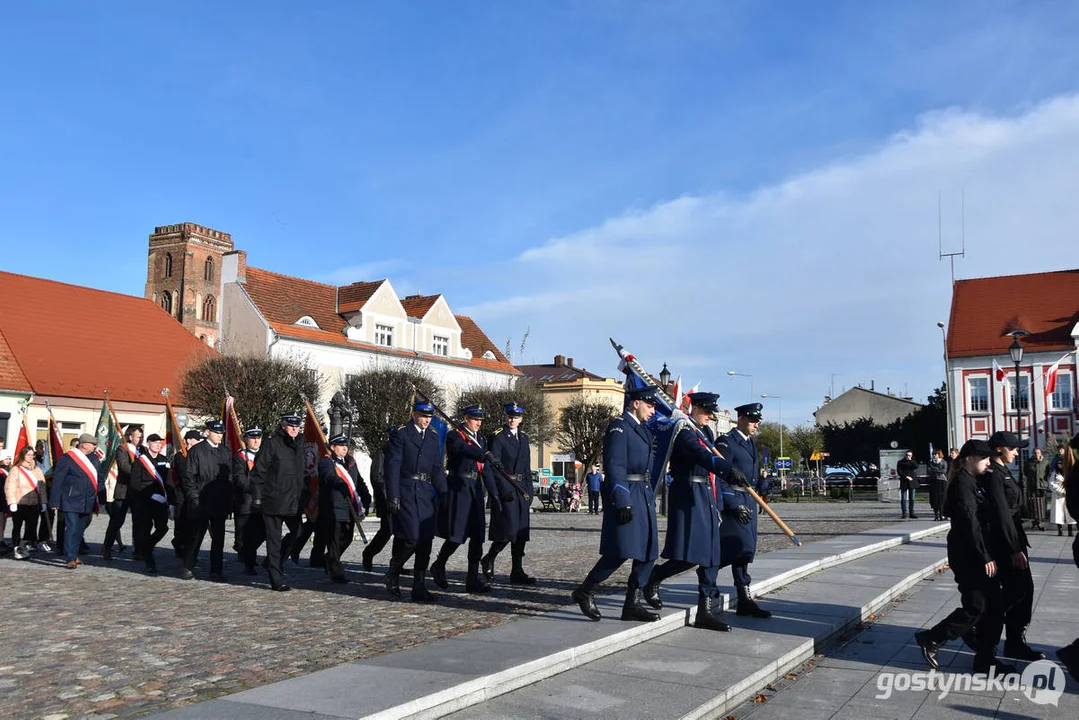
(183, 276)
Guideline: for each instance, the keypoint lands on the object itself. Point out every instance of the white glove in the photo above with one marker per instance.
(158, 498)
(13, 507)
(44, 507)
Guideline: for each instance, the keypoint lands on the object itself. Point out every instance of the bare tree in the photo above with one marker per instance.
(263, 388)
(805, 441)
(538, 420)
(381, 398)
(581, 428)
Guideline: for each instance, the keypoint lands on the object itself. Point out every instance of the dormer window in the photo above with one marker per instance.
(307, 321)
(384, 335)
(440, 346)
(488, 355)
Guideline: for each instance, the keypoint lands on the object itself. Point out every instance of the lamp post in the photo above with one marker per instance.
(780, 399)
(1016, 352)
(948, 424)
(732, 373)
(664, 377)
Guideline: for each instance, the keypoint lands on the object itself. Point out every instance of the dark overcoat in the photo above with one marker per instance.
(627, 451)
(738, 542)
(693, 506)
(513, 523)
(461, 512)
(414, 474)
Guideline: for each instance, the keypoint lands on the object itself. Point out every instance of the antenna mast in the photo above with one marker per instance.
(962, 233)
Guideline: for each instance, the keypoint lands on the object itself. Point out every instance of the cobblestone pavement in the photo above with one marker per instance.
(106, 640)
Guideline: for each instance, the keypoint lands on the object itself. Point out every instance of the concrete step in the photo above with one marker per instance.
(444, 677)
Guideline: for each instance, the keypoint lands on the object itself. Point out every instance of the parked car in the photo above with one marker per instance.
(839, 477)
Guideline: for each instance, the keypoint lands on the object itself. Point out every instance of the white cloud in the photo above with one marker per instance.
(831, 271)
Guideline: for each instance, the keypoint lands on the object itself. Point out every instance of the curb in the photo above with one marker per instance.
(478, 690)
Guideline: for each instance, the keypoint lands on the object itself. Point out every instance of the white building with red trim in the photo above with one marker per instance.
(985, 312)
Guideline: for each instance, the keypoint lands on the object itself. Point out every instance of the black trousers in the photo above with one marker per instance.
(338, 536)
(117, 515)
(706, 576)
(382, 537)
(239, 526)
(181, 530)
(276, 549)
(607, 564)
(1017, 595)
(403, 550)
(251, 533)
(981, 608)
(150, 523)
(593, 502)
(26, 516)
(740, 573)
(198, 527)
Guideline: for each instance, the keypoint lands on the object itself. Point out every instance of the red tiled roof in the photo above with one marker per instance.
(984, 310)
(11, 375)
(283, 299)
(551, 372)
(286, 299)
(74, 341)
(353, 297)
(418, 306)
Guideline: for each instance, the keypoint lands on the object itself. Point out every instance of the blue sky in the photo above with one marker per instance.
(719, 185)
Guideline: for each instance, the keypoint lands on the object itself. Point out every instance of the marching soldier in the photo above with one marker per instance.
(509, 446)
(342, 495)
(148, 492)
(738, 532)
(629, 508)
(249, 532)
(277, 482)
(208, 492)
(693, 515)
(414, 481)
(181, 529)
(461, 513)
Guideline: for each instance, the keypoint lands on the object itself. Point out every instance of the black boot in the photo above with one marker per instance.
(651, 594)
(420, 593)
(438, 572)
(518, 576)
(487, 567)
(930, 645)
(1015, 646)
(473, 582)
(985, 660)
(585, 595)
(393, 577)
(705, 619)
(1060, 530)
(368, 560)
(1071, 531)
(633, 610)
(748, 606)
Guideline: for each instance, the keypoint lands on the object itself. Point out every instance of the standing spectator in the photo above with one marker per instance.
(1061, 516)
(1036, 474)
(907, 468)
(938, 469)
(75, 493)
(148, 494)
(119, 505)
(277, 482)
(24, 490)
(207, 485)
(5, 468)
(595, 482)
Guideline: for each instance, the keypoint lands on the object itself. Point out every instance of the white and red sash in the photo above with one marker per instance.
(33, 483)
(152, 469)
(468, 439)
(343, 474)
(87, 467)
(131, 450)
(250, 458)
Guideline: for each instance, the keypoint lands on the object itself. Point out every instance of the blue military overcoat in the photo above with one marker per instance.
(408, 455)
(515, 454)
(738, 542)
(693, 507)
(462, 514)
(627, 450)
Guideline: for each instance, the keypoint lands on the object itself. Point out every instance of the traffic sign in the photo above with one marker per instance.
(783, 463)
(816, 456)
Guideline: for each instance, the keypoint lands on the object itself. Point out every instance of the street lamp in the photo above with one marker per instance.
(664, 377)
(732, 373)
(780, 399)
(949, 425)
(1016, 352)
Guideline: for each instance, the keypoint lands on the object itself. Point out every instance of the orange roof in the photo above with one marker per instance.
(74, 341)
(984, 310)
(417, 306)
(283, 299)
(11, 375)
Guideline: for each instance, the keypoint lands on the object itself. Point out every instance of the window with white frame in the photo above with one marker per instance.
(978, 391)
(1024, 394)
(383, 335)
(1061, 399)
(440, 345)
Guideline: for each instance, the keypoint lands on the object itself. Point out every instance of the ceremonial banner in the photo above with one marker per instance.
(233, 431)
(54, 448)
(314, 442)
(109, 441)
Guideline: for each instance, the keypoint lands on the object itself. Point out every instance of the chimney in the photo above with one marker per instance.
(873, 385)
(569, 361)
(559, 360)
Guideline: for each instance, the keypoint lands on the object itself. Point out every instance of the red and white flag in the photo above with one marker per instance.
(998, 372)
(1051, 376)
